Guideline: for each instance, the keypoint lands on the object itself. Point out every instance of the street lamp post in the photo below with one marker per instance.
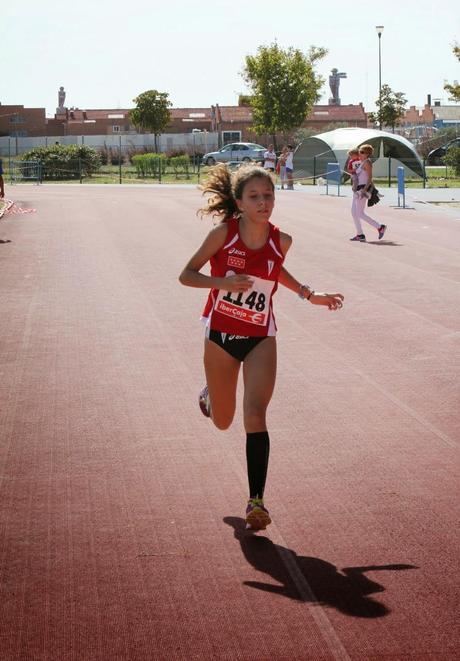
(194, 132)
(379, 29)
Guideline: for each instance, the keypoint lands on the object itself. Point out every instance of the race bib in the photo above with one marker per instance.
(251, 306)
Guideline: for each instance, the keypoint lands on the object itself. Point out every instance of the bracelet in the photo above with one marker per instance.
(310, 292)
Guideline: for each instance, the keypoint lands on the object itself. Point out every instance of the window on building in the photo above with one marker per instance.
(116, 128)
(231, 136)
(17, 119)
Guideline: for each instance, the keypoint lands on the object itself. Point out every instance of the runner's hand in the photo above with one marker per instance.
(237, 283)
(332, 301)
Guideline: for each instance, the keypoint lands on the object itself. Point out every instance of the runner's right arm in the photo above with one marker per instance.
(191, 276)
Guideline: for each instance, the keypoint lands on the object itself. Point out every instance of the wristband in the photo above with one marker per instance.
(310, 292)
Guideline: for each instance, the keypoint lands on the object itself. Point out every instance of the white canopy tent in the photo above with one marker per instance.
(390, 152)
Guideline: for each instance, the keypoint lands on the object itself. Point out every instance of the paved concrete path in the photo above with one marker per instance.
(121, 506)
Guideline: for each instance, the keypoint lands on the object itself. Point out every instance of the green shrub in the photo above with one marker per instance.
(65, 161)
(452, 158)
(138, 151)
(180, 165)
(147, 165)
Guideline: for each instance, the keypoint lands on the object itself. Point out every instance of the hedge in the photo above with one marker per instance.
(64, 161)
(148, 165)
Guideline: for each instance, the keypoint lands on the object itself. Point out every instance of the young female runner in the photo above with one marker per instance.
(246, 253)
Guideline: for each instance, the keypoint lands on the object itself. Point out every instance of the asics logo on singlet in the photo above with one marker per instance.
(235, 251)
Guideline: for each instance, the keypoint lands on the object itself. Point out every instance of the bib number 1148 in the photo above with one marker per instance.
(255, 300)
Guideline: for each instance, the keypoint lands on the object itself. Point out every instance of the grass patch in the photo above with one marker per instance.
(437, 177)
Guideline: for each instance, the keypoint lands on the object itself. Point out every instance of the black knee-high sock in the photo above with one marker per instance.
(257, 452)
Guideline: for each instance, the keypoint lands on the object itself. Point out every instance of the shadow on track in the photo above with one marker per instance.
(346, 589)
(384, 243)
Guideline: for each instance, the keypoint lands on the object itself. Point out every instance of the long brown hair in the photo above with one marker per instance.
(224, 188)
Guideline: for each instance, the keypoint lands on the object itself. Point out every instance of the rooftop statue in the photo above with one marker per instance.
(334, 82)
(61, 97)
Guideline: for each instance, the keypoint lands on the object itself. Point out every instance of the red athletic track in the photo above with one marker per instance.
(121, 505)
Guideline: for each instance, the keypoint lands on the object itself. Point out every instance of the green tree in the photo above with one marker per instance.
(151, 112)
(452, 158)
(244, 100)
(454, 89)
(390, 108)
(284, 86)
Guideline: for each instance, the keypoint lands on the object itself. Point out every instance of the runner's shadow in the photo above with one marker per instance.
(346, 589)
(5, 240)
(384, 243)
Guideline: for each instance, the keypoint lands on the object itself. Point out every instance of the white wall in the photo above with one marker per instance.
(202, 142)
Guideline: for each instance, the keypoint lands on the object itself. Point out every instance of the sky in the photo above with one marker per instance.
(106, 52)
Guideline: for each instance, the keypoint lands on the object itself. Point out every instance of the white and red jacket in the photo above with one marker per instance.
(248, 313)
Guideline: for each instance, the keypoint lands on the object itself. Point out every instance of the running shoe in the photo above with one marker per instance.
(203, 401)
(257, 516)
(382, 230)
(359, 237)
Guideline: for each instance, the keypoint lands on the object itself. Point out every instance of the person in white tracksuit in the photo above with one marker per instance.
(362, 194)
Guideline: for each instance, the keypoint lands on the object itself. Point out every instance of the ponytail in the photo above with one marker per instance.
(218, 187)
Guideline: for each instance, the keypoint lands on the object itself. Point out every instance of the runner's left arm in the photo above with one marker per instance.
(332, 301)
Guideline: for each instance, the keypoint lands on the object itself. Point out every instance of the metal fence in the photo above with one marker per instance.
(78, 170)
(122, 171)
(19, 171)
(313, 170)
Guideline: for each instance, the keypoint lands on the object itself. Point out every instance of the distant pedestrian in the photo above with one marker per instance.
(290, 167)
(2, 183)
(270, 159)
(282, 167)
(364, 189)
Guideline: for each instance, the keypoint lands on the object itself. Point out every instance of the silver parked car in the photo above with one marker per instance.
(236, 151)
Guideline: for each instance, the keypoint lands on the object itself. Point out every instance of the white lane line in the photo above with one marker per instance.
(306, 594)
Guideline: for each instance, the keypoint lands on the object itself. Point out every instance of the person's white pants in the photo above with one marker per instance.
(283, 175)
(357, 211)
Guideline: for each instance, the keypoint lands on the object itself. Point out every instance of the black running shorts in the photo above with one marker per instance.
(238, 346)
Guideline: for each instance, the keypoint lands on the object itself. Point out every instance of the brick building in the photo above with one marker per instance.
(416, 116)
(231, 123)
(17, 121)
(96, 122)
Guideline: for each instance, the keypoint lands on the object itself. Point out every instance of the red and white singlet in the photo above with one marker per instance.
(248, 313)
